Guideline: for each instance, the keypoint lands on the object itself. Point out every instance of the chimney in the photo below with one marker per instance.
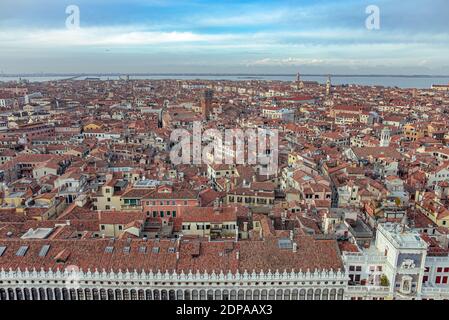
(295, 247)
(237, 255)
(291, 235)
(245, 226)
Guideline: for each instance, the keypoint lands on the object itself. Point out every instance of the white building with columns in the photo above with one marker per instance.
(101, 269)
(400, 265)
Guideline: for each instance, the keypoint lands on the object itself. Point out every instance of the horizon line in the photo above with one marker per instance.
(73, 74)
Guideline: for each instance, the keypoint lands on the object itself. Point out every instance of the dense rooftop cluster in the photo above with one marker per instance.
(85, 169)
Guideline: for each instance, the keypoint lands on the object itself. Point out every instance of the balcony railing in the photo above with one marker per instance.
(370, 289)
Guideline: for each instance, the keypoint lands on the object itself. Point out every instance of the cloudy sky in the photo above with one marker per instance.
(263, 36)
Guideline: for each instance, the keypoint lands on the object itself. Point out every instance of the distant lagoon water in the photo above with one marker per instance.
(421, 82)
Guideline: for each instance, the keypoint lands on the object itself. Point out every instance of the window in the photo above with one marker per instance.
(439, 269)
(44, 250)
(103, 227)
(438, 279)
(22, 250)
(425, 279)
(120, 227)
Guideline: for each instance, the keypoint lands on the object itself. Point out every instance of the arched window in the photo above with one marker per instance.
(317, 294)
(202, 294)
(264, 295)
(171, 295)
(248, 295)
(19, 295)
(272, 294)
(141, 295)
(148, 294)
(11, 295)
(58, 294)
(225, 295)
(256, 294)
(88, 294)
(279, 294)
(65, 294)
(111, 294)
(156, 295)
(26, 294)
(72, 294)
(233, 295)
(164, 295)
(295, 294)
(333, 294)
(325, 294)
(133, 294)
(42, 295)
(103, 294)
(34, 294)
(118, 294)
(187, 295)
(302, 294)
(2, 294)
(310, 294)
(50, 295)
(340, 294)
(241, 295)
(95, 294)
(287, 294)
(126, 294)
(80, 294)
(217, 295)
(195, 295)
(210, 295)
(179, 295)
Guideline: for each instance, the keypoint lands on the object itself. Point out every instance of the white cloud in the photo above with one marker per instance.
(115, 36)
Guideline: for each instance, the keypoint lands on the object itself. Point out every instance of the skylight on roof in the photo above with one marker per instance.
(109, 249)
(22, 251)
(2, 250)
(126, 250)
(44, 250)
(143, 250)
(285, 244)
(155, 250)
